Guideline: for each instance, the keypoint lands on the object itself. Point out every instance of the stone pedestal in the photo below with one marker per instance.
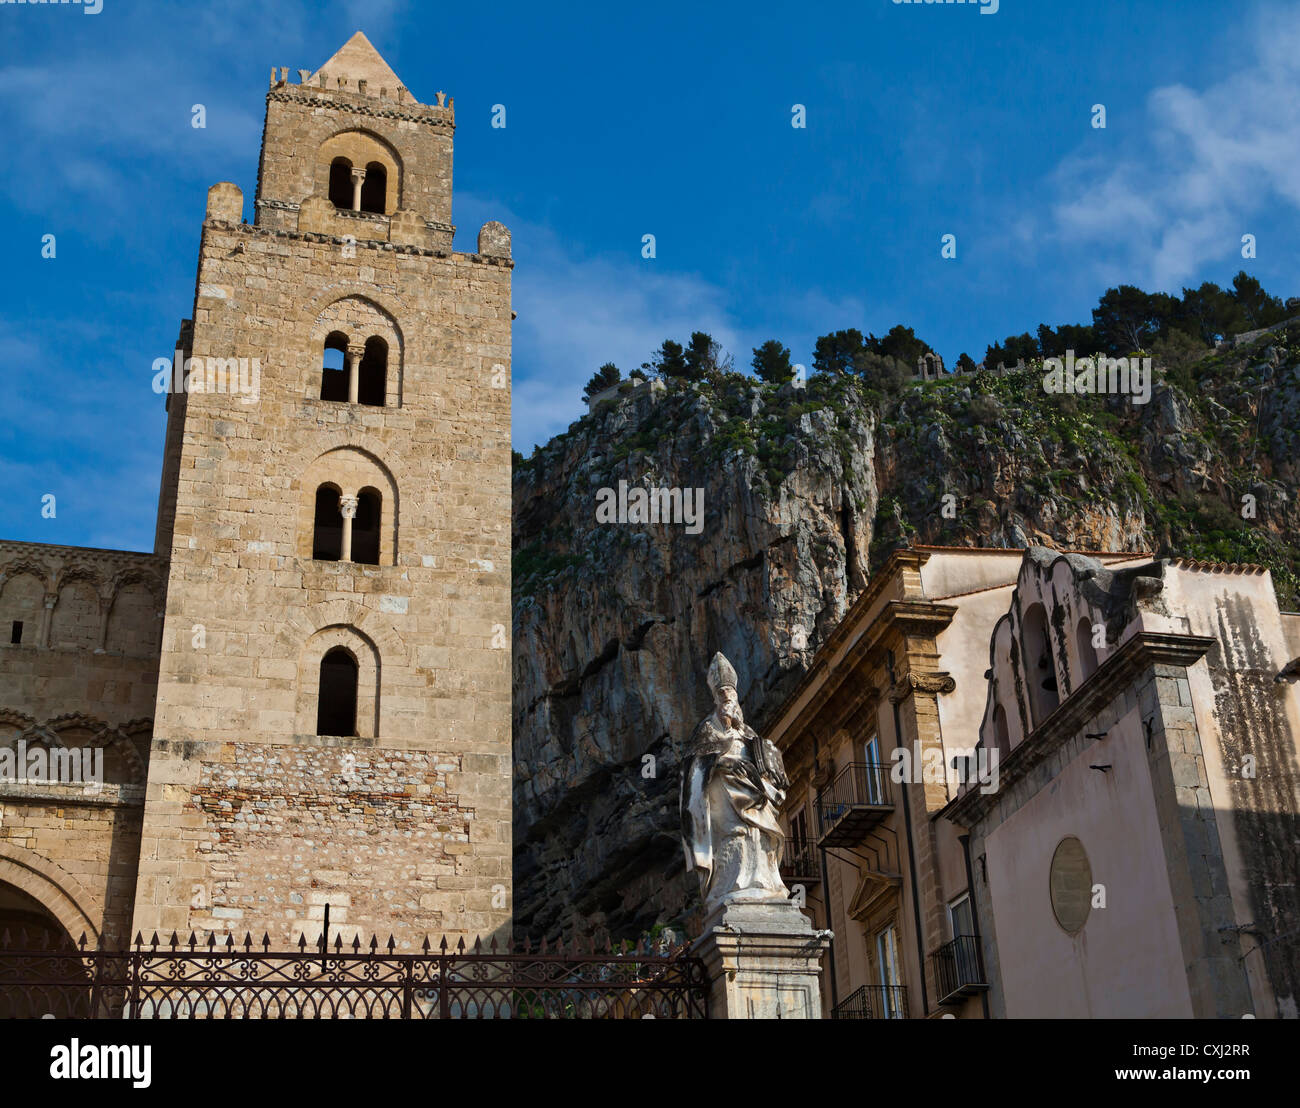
(763, 959)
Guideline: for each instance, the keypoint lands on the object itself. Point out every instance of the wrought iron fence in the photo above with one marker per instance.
(226, 981)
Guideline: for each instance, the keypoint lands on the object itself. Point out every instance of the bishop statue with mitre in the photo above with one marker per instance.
(733, 783)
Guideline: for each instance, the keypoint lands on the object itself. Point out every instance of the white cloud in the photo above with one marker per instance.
(576, 313)
(1212, 160)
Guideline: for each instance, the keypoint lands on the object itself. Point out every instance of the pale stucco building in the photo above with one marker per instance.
(1096, 808)
(877, 863)
(1140, 854)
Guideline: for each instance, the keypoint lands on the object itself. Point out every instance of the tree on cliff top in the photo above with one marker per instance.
(898, 342)
(702, 358)
(606, 377)
(772, 362)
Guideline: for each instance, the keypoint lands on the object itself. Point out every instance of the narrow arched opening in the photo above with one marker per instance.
(372, 374)
(1040, 670)
(365, 527)
(334, 368)
(374, 190)
(327, 527)
(336, 702)
(341, 183)
(1087, 651)
(1001, 735)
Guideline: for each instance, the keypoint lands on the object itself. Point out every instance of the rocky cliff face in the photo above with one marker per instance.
(805, 491)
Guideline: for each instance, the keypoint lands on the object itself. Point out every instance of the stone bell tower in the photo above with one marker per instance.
(333, 716)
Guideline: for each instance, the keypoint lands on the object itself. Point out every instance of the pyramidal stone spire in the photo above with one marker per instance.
(358, 60)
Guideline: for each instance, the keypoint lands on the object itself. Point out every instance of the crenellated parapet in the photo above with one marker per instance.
(348, 151)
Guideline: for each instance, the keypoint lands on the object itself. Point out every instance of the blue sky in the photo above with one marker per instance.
(922, 120)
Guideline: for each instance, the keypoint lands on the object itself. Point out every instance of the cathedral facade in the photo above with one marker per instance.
(302, 696)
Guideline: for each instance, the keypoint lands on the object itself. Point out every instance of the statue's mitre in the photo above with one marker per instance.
(721, 674)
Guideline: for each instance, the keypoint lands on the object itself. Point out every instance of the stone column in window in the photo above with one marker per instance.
(355, 353)
(348, 507)
(358, 176)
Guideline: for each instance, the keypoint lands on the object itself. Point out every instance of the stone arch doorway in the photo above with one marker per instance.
(34, 987)
(28, 923)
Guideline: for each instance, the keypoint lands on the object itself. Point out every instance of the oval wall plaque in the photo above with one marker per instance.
(1071, 885)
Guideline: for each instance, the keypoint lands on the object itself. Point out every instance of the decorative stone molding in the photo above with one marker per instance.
(439, 118)
(932, 684)
(763, 960)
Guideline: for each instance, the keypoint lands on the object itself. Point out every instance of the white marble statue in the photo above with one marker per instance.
(733, 783)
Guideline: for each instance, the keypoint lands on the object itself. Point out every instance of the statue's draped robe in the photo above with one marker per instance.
(733, 783)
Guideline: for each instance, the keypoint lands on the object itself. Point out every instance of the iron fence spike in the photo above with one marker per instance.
(492, 946)
(443, 945)
(302, 942)
(212, 940)
(478, 945)
(356, 942)
(392, 945)
(425, 945)
(338, 942)
(248, 940)
(460, 945)
(542, 949)
(193, 940)
(22, 938)
(4, 938)
(154, 942)
(174, 941)
(266, 940)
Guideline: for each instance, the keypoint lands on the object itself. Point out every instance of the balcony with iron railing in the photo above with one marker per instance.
(959, 969)
(873, 1002)
(799, 863)
(850, 807)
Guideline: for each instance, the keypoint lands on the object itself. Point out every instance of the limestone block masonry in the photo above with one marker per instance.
(333, 529)
(253, 821)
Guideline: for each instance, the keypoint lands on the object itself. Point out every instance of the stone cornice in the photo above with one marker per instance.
(908, 617)
(72, 796)
(88, 553)
(1145, 649)
(440, 118)
(369, 244)
(345, 213)
(900, 559)
(917, 616)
